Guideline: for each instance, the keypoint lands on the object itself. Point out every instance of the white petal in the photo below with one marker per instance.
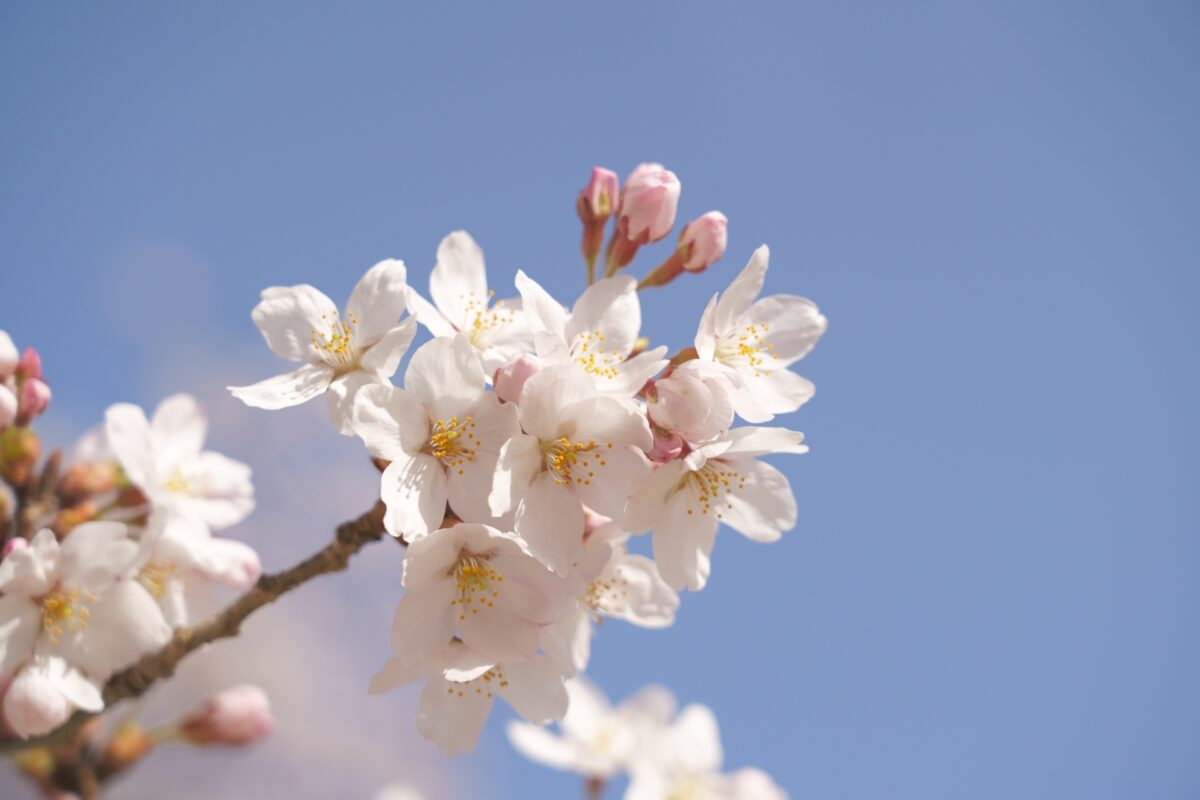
(385, 355)
(498, 633)
(540, 745)
(458, 282)
(178, 429)
(414, 490)
(618, 422)
(222, 492)
(697, 741)
(431, 557)
(736, 300)
(452, 715)
(569, 641)
(758, 441)
(398, 671)
(424, 312)
(390, 421)
(550, 520)
(378, 300)
(706, 331)
(20, 624)
(231, 562)
(535, 689)
(124, 624)
(588, 711)
(645, 599)
(287, 317)
(519, 462)
(128, 433)
(682, 545)
(470, 483)
(557, 401)
(545, 314)
(781, 391)
(33, 570)
(286, 390)
(445, 373)
(764, 506)
(343, 390)
(424, 620)
(754, 784)
(793, 325)
(72, 685)
(619, 472)
(33, 705)
(95, 555)
(632, 374)
(648, 505)
(608, 315)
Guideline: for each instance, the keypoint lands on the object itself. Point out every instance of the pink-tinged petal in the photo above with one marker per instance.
(746, 287)
(452, 715)
(390, 421)
(557, 401)
(414, 490)
(178, 429)
(458, 282)
(20, 624)
(607, 316)
(648, 504)
(286, 390)
(425, 313)
(753, 440)
(343, 390)
(230, 562)
(460, 663)
(424, 620)
(535, 689)
(792, 325)
(31, 570)
(446, 374)
(95, 555)
(764, 506)
(550, 520)
(385, 355)
(545, 314)
(33, 705)
(431, 557)
(682, 544)
(518, 463)
(378, 300)
(128, 433)
(287, 317)
(497, 632)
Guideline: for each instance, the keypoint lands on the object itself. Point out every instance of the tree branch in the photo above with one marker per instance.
(134, 680)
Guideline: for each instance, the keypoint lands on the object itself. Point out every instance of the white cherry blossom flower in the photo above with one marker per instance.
(442, 434)
(616, 583)
(755, 341)
(578, 446)
(684, 760)
(596, 740)
(461, 684)
(163, 458)
(43, 694)
(599, 333)
(341, 353)
(722, 481)
(481, 584)
(458, 286)
(72, 610)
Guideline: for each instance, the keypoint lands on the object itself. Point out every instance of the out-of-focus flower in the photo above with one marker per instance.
(195, 489)
(596, 740)
(685, 500)
(9, 355)
(754, 341)
(70, 614)
(442, 435)
(458, 286)
(684, 760)
(510, 379)
(578, 446)
(599, 334)
(480, 583)
(237, 716)
(340, 354)
(460, 684)
(35, 398)
(399, 791)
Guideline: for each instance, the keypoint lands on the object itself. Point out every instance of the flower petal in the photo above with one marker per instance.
(764, 505)
(341, 395)
(682, 544)
(425, 313)
(177, 429)
(287, 317)
(550, 520)
(470, 483)
(445, 373)
(607, 311)
(95, 555)
(390, 421)
(414, 490)
(378, 300)
(736, 300)
(128, 433)
(544, 313)
(535, 689)
(20, 624)
(424, 620)
(286, 390)
(124, 624)
(793, 325)
(458, 282)
(452, 715)
(384, 356)
(519, 462)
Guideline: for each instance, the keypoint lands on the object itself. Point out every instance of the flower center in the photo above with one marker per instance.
(606, 595)
(453, 441)
(749, 347)
(710, 486)
(177, 484)
(487, 682)
(480, 321)
(64, 612)
(155, 577)
(572, 461)
(590, 354)
(338, 343)
(476, 585)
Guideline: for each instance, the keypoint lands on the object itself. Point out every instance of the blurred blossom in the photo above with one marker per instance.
(237, 716)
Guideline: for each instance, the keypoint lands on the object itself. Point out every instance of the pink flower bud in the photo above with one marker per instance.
(702, 241)
(593, 521)
(30, 365)
(33, 705)
(237, 716)
(648, 202)
(16, 543)
(668, 446)
(8, 355)
(8, 406)
(599, 198)
(35, 397)
(510, 379)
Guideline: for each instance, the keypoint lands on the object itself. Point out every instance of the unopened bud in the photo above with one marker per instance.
(19, 452)
(668, 446)
(88, 478)
(128, 745)
(35, 397)
(648, 202)
(33, 705)
(510, 379)
(702, 241)
(16, 543)
(598, 200)
(30, 365)
(237, 716)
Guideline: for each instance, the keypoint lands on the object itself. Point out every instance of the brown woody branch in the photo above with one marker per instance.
(135, 680)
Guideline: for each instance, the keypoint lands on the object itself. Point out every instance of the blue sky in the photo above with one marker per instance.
(991, 592)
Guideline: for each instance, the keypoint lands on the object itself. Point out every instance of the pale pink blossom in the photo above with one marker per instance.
(648, 202)
(598, 200)
(510, 379)
(702, 241)
(237, 716)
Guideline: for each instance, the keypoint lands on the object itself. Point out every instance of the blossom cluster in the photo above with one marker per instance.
(528, 441)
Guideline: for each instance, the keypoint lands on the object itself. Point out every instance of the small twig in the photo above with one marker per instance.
(36, 497)
(133, 681)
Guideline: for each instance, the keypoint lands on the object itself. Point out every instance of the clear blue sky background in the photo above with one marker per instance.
(992, 591)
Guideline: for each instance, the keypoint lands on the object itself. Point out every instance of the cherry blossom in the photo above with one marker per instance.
(578, 446)
(236, 716)
(721, 481)
(164, 458)
(754, 341)
(461, 298)
(442, 435)
(341, 353)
